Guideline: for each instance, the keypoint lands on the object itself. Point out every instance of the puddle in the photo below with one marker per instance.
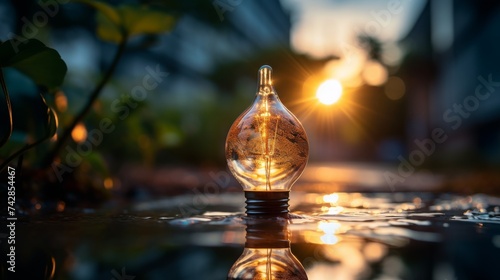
(348, 235)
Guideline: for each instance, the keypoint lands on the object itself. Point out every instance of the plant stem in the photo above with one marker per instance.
(20, 152)
(86, 109)
(9, 108)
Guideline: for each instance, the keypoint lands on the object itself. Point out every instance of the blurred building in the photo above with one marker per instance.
(227, 30)
(452, 74)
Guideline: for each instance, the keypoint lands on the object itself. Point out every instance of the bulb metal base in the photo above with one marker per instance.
(267, 233)
(267, 204)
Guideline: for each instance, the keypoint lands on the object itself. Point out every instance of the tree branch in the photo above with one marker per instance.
(86, 109)
(9, 108)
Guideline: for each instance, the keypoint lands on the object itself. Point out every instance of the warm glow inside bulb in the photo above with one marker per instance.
(266, 147)
(267, 253)
(329, 92)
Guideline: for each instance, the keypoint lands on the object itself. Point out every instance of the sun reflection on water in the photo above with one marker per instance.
(330, 229)
(331, 198)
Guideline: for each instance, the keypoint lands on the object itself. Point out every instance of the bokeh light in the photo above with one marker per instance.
(61, 101)
(108, 183)
(79, 134)
(395, 88)
(374, 73)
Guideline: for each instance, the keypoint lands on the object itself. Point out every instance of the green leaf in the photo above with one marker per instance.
(109, 21)
(108, 30)
(31, 57)
(106, 10)
(116, 24)
(145, 20)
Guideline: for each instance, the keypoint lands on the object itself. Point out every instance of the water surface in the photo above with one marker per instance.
(340, 235)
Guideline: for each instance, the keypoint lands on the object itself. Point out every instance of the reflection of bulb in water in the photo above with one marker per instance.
(267, 254)
(266, 150)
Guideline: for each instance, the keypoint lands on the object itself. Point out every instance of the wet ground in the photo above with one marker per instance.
(340, 235)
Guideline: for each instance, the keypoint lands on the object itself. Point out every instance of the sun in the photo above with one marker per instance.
(329, 92)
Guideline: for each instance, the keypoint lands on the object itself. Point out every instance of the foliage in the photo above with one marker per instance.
(117, 25)
(46, 68)
(39, 62)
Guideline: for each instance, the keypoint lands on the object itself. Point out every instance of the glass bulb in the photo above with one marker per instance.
(267, 254)
(266, 150)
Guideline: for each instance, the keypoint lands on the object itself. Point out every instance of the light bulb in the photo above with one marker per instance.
(266, 150)
(267, 254)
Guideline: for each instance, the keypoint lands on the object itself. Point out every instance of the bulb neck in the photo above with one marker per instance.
(267, 233)
(267, 204)
(265, 80)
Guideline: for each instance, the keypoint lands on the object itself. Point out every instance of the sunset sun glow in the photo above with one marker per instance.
(329, 92)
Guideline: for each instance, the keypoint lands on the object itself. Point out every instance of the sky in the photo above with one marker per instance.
(322, 27)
